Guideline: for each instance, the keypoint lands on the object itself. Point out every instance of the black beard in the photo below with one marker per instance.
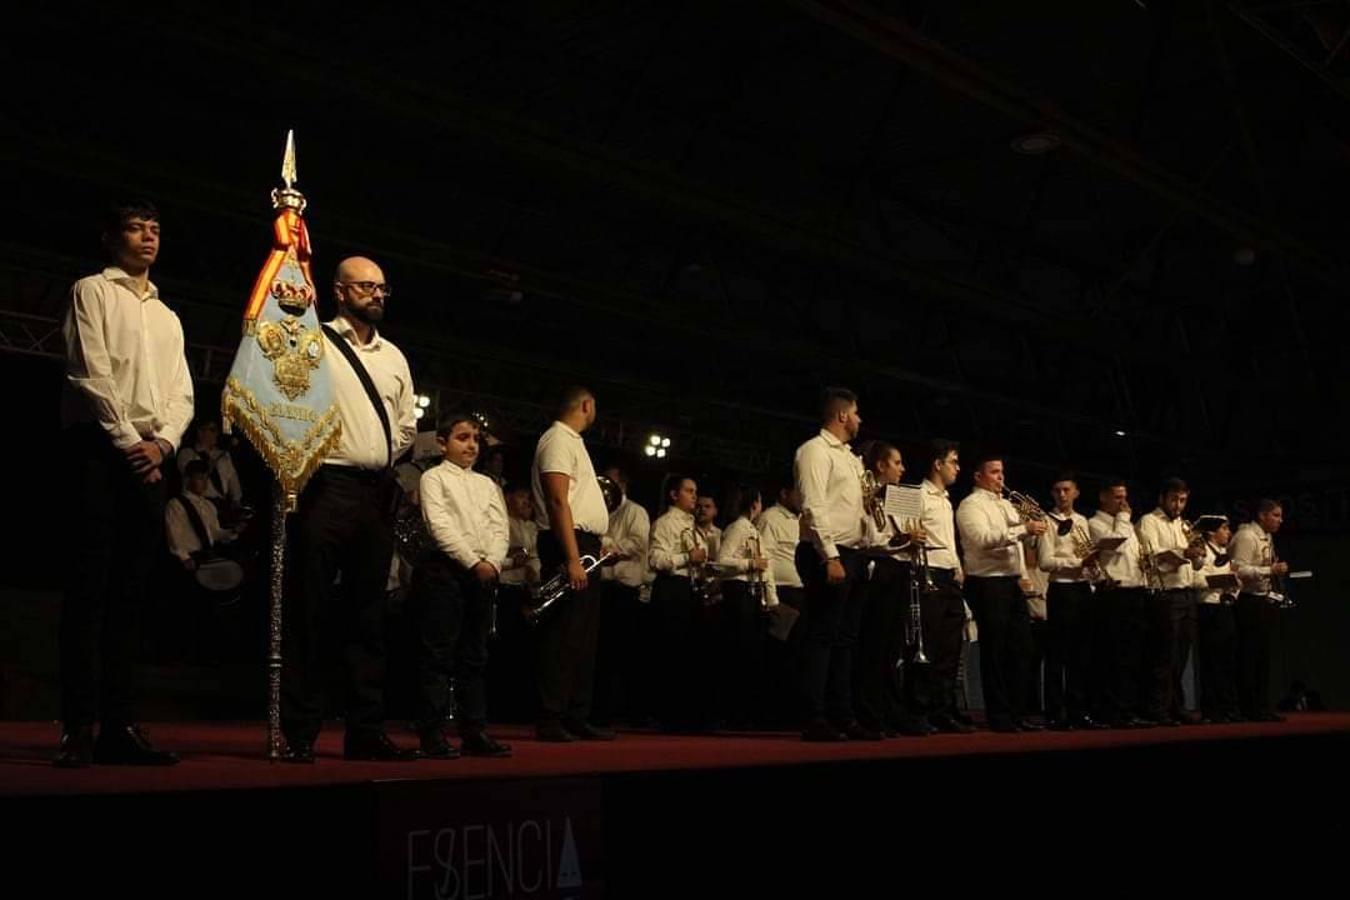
(371, 313)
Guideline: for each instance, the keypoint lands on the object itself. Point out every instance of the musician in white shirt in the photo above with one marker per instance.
(1256, 562)
(185, 534)
(748, 594)
(705, 519)
(680, 559)
(1068, 652)
(222, 486)
(992, 535)
(780, 531)
(930, 692)
(833, 568)
(452, 599)
(1120, 607)
(1165, 541)
(622, 665)
(127, 398)
(571, 513)
(877, 702)
(1217, 642)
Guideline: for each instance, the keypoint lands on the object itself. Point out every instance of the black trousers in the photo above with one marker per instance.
(1118, 642)
(834, 614)
(1218, 660)
(566, 640)
(877, 699)
(744, 634)
(342, 525)
(1182, 621)
(1005, 644)
(1255, 630)
(930, 689)
(510, 666)
(1155, 667)
(114, 528)
(685, 666)
(618, 653)
(1068, 651)
(451, 614)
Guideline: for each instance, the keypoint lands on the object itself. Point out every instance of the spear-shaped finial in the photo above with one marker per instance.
(288, 162)
(288, 197)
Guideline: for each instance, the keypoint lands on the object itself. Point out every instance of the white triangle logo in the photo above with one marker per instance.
(569, 867)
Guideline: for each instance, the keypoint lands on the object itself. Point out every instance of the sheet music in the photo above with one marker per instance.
(904, 502)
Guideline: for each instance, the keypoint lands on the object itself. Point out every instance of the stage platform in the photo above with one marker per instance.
(649, 813)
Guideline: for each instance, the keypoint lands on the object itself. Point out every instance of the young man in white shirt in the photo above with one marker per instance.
(453, 593)
(1256, 562)
(192, 526)
(1217, 642)
(127, 401)
(676, 554)
(1172, 622)
(992, 535)
(222, 487)
(1068, 652)
(571, 513)
(1120, 611)
(622, 667)
(748, 593)
(833, 568)
(780, 532)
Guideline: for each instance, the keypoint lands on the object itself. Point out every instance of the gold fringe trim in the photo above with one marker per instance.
(292, 462)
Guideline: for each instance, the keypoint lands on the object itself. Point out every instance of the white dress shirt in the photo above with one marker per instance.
(737, 549)
(219, 462)
(1055, 555)
(1208, 594)
(991, 535)
(672, 539)
(1158, 534)
(829, 478)
(1122, 564)
(939, 523)
(465, 514)
(1253, 552)
(712, 539)
(523, 533)
(629, 531)
(125, 366)
(562, 451)
(363, 443)
(178, 531)
(781, 531)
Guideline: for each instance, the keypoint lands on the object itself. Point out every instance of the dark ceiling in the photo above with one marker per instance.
(709, 209)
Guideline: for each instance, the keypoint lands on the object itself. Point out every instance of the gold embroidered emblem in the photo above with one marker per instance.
(294, 352)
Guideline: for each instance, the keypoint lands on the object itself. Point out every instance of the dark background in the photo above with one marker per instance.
(707, 210)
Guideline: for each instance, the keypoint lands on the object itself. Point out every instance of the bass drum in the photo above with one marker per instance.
(219, 576)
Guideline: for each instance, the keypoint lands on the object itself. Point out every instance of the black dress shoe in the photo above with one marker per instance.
(298, 753)
(587, 732)
(433, 745)
(1267, 717)
(77, 749)
(127, 745)
(1234, 717)
(477, 743)
(1187, 718)
(856, 731)
(554, 733)
(949, 725)
(374, 746)
(1059, 724)
(820, 731)
(1003, 726)
(1028, 725)
(1087, 723)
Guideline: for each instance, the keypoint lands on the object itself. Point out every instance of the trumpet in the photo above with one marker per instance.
(1028, 510)
(559, 586)
(873, 495)
(920, 582)
(1083, 547)
(703, 576)
(755, 578)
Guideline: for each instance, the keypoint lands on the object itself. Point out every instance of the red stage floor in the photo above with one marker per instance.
(218, 755)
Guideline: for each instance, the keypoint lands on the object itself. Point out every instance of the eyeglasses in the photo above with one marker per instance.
(368, 288)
